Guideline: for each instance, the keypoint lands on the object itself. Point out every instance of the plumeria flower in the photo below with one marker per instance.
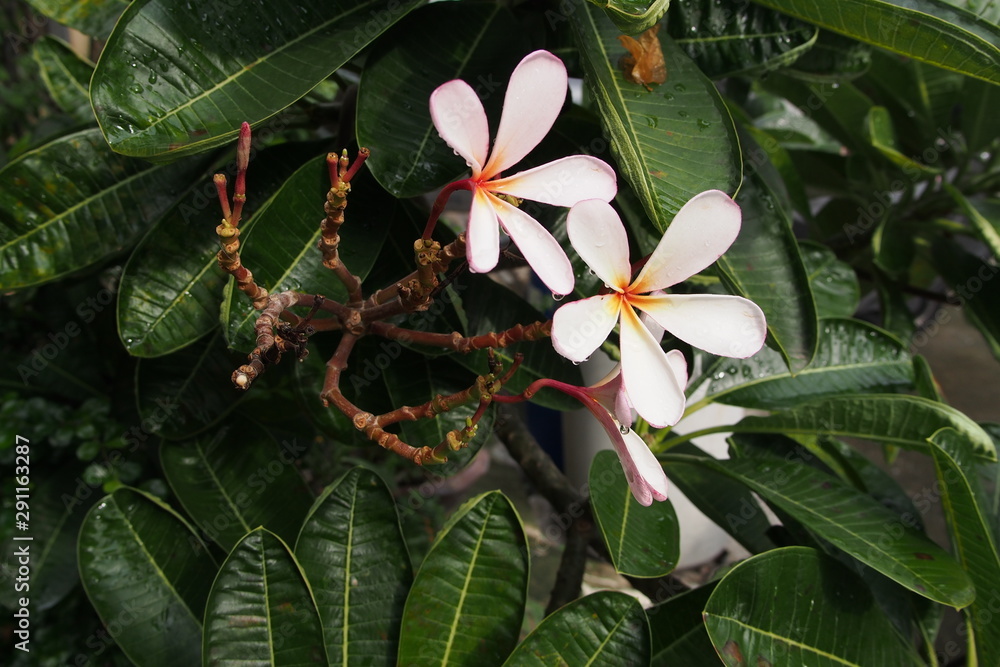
(725, 325)
(535, 95)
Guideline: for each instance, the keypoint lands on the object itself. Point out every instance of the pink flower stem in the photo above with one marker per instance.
(441, 200)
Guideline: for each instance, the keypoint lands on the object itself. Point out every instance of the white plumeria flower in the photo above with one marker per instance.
(535, 95)
(725, 325)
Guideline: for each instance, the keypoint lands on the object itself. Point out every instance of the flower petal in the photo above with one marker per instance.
(648, 376)
(730, 326)
(461, 121)
(579, 328)
(562, 182)
(483, 236)
(535, 95)
(679, 364)
(700, 233)
(599, 237)
(644, 473)
(543, 253)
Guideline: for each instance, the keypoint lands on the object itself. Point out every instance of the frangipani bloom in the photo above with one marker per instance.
(726, 325)
(535, 95)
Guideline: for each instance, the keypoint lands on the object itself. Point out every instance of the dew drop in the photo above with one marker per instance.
(136, 89)
(558, 297)
(624, 429)
(682, 113)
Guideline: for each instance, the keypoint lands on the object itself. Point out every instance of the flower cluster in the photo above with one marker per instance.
(649, 380)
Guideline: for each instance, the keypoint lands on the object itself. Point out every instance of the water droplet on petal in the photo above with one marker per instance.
(624, 429)
(558, 297)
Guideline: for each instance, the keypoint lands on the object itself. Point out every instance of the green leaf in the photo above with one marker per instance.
(171, 287)
(931, 31)
(834, 283)
(882, 136)
(354, 557)
(147, 575)
(467, 601)
(980, 100)
(281, 249)
(92, 17)
(490, 307)
(906, 421)
(72, 203)
(852, 356)
(757, 611)
(57, 506)
(480, 40)
(671, 142)
(605, 628)
(984, 216)
(236, 479)
(974, 282)
(184, 393)
(159, 91)
(642, 541)
(833, 58)
(764, 265)
(853, 522)
(66, 76)
(968, 517)
(678, 630)
(725, 40)
(633, 16)
(260, 610)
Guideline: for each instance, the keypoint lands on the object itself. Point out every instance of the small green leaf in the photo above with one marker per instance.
(147, 575)
(260, 610)
(467, 601)
(968, 517)
(756, 611)
(882, 136)
(984, 216)
(238, 478)
(931, 31)
(834, 283)
(354, 557)
(66, 76)
(92, 17)
(671, 142)
(852, 522)
(633, 16)
(72, 202)
(150, 100)
(642, 541)
(906, 421)
(852, 356)
(605, 628)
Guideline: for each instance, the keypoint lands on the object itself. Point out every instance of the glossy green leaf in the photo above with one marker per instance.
(147, 575)
(467, 600)
(969, 520)
(176, 96)
(794, 606)
(92, 17)
(605, 628)
(852, 356)
(727, 503)
(834, 283)
(854, 523)
(906, 421)
(56, 507)
(412, 379)
(66, 76)
(931, 31)
(260, 610)
(354, 557)
(975, 284)
(633, 16)
(237, 478)
(984, 216)
(184, 393)
(281, 249)
(480, 41)
(882, 136)
(764, 265)
(833, 58)
(72, 202)
(678, 631)
(671, 142)
(726, 40)
(488, 307)
(642, 541)
(980, 100)
(171, 287)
